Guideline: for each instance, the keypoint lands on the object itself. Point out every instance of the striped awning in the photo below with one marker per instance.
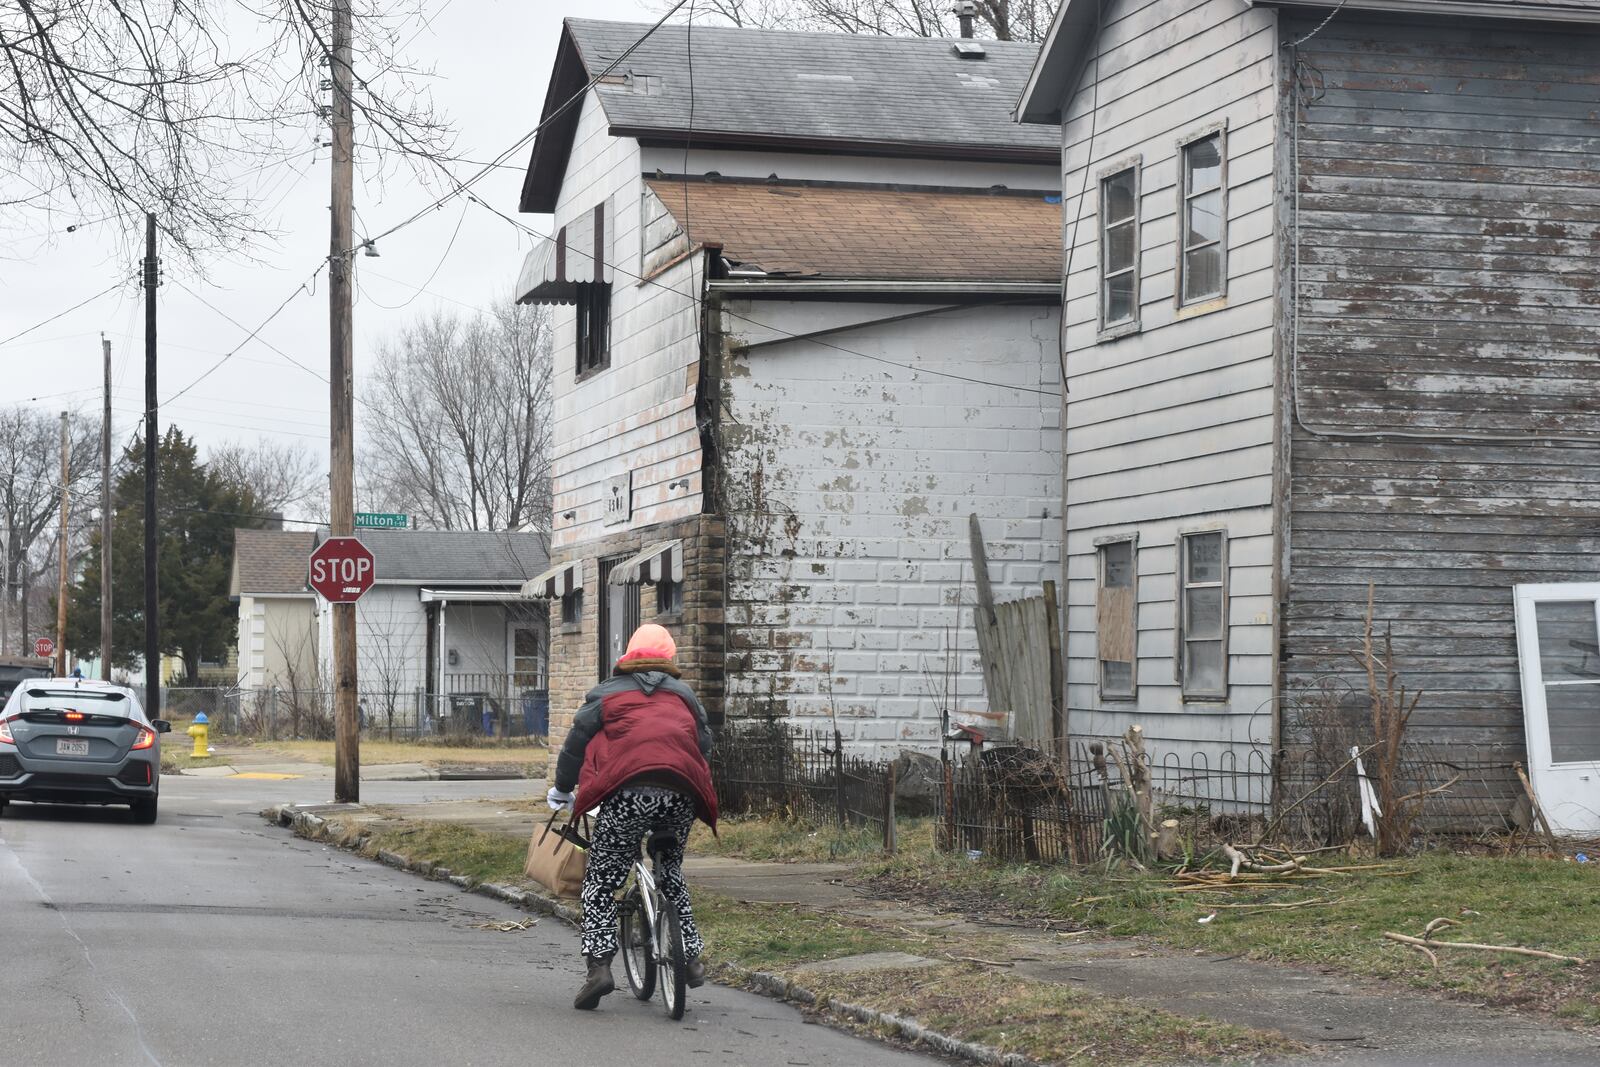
(580, 252)
(661, 562)
(558, 581)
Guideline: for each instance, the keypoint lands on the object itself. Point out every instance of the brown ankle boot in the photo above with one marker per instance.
(697, 974)
(598, 984)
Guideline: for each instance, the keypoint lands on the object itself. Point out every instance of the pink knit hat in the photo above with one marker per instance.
(650, 642)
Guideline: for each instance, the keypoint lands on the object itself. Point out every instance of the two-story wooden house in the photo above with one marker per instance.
(806, 294)
(1331, 320)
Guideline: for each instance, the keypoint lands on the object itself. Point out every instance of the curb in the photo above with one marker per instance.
(314, 828)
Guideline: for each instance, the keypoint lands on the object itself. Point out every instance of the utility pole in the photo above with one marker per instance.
(152, 592)
(341, 409)
(105, 520)
(61, 557)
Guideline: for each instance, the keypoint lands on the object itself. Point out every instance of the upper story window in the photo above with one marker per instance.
(1203, 222)
(1119, 249)
(1203, 614)
(594, 327)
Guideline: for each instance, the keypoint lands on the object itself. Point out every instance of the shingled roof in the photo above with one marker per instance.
(453, 557)
(871, 233)
(270, 561)
(851, 93)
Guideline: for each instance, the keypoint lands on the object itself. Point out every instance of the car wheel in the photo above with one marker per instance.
(144, 810)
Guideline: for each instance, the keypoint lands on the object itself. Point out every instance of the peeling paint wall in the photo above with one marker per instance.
(1448, 225)
(849, 482)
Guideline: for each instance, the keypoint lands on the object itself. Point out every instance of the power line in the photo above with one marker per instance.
(571, 101)
(249, 337)
(62, 314)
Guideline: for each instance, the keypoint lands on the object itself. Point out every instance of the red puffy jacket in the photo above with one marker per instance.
(638, 724)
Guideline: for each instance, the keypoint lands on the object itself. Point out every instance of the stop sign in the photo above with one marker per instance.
(44, 648)
(342, 569)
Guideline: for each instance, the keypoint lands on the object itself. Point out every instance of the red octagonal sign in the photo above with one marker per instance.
(342, 568)
(44, 648)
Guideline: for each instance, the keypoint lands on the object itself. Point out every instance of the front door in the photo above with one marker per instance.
(1558, 643)
(619, 616)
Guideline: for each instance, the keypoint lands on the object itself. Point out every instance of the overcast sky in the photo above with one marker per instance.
(492, 59)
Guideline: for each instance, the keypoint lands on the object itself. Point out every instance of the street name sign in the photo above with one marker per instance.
(342, 569)
(378, 520)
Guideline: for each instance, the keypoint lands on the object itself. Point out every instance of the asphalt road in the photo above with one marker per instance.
(212, 938)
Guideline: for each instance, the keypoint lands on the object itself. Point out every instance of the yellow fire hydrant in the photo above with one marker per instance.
(200, 730)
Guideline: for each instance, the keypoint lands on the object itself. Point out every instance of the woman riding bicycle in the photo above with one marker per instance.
(637, 751)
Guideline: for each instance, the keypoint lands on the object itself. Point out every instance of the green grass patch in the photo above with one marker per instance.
(482, 857)
(530, 757)
(1533, 903)
(1046, 1021)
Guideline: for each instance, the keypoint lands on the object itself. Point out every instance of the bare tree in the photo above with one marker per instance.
(30, 505)
(287, 479)
(458, 420)
(1005, 20)
(108, 109)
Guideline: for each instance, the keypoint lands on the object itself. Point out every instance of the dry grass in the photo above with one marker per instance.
(1046, 1021)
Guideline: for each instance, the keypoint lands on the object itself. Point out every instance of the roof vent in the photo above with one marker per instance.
(968, 49)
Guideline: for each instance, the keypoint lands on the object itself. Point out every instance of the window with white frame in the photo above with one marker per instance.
(1115, 621)
(1203, 222)
(1119, 249)
(1203, 614)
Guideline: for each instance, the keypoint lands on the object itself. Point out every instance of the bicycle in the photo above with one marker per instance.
(649, 934)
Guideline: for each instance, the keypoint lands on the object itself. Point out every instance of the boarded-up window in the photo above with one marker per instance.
(1119, 249)
(1203, 614)
(1202, 266)
(1115, 597)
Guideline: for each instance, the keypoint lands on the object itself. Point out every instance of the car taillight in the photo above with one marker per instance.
(75, 716)
(146, 738)
(5, 733)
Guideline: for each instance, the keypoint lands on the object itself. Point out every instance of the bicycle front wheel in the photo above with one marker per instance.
(673, 967)
(638, 952)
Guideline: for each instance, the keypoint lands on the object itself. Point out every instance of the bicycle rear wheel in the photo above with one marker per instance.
(670, 960)
(638, 952)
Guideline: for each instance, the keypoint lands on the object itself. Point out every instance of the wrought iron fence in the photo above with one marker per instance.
(1020, 804)
(772, 767)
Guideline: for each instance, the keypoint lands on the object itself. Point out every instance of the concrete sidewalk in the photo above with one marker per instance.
(235, 761)
(1344, 1019)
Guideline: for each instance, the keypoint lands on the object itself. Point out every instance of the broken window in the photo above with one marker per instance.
(1115, 634)
(1119, 249)
(1203, 614)
(594, 327)
(1202, 264)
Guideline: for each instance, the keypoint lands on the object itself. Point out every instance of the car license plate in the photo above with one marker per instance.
(72, 748)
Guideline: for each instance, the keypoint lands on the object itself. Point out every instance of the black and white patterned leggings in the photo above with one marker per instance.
(625, 819)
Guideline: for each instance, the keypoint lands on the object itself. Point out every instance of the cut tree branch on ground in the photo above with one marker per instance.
(1427, 943)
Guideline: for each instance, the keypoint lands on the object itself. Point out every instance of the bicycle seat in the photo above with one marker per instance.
(659, 842)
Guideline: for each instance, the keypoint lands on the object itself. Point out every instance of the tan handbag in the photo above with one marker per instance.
(557, 857)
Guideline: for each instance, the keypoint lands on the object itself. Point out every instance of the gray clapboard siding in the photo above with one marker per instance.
(1448, 205)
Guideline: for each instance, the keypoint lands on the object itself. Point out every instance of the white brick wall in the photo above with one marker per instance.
(850, 483)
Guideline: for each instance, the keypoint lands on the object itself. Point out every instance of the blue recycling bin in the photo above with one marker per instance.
(536, 714)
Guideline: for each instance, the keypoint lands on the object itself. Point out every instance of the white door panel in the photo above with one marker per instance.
(1558, 644)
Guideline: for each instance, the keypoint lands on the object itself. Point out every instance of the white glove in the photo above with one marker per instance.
(557, 799)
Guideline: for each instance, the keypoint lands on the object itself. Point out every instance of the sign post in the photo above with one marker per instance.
(44, 648)
(342, 569)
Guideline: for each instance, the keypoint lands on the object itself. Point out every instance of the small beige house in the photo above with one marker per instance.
(277, 612)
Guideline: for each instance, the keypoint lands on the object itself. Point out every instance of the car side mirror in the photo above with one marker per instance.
(162, 726)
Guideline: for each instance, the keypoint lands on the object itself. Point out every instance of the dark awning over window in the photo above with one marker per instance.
(580, 252)
(662, 562)
(558, 581)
